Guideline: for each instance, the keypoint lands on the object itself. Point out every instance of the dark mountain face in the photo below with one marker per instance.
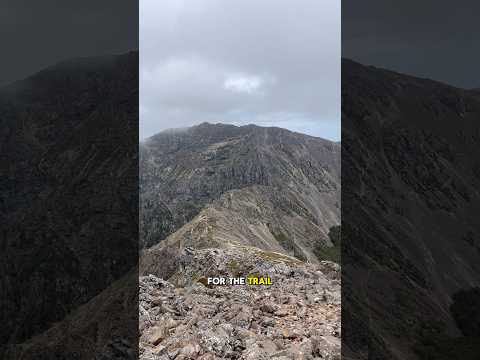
(257, 185)
(68, 180)
(410, 204)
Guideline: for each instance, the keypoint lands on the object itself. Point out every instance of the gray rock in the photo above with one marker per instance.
(241, 322)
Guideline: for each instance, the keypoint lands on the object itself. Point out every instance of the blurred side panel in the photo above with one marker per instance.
(69, 180)
(410, 180)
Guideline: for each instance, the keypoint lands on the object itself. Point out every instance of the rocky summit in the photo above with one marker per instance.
(185, 317)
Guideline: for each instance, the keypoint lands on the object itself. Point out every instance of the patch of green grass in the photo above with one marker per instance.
(283, 240)
(332, 253)
(286, 243)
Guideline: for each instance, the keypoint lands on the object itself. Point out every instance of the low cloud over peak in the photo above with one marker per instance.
(240, 62)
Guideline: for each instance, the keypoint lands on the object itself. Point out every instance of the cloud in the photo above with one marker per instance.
(423, 38)
(239, 62)
(244, 84)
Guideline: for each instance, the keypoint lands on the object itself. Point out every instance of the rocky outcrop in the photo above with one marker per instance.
(297, 317)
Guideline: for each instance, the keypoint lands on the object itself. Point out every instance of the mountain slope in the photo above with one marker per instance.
(68, 183)
(410, 205)
(106, 327)
(266, 187)
(258, 216)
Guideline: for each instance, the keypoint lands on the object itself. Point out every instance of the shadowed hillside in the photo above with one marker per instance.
(410, 203)
(68, 185)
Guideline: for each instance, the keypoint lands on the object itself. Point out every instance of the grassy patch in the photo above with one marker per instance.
(286, 243)
(283, 240)
(332, 253)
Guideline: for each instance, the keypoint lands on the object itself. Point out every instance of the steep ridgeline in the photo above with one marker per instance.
(410, 205)
(218, 185)
(68, 189)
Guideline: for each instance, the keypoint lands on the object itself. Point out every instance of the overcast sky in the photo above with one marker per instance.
(269, 62)
(428, 38)
(38, 34)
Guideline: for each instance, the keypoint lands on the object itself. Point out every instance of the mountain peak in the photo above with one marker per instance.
(207, 132)
(207, 166)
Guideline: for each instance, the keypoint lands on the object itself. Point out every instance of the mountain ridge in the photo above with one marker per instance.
(207, 124)
(198, 165)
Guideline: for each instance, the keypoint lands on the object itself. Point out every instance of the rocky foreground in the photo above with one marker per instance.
(297, 317)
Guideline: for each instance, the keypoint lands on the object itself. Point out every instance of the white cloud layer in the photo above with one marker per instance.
(269, 62)
(244, 84)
